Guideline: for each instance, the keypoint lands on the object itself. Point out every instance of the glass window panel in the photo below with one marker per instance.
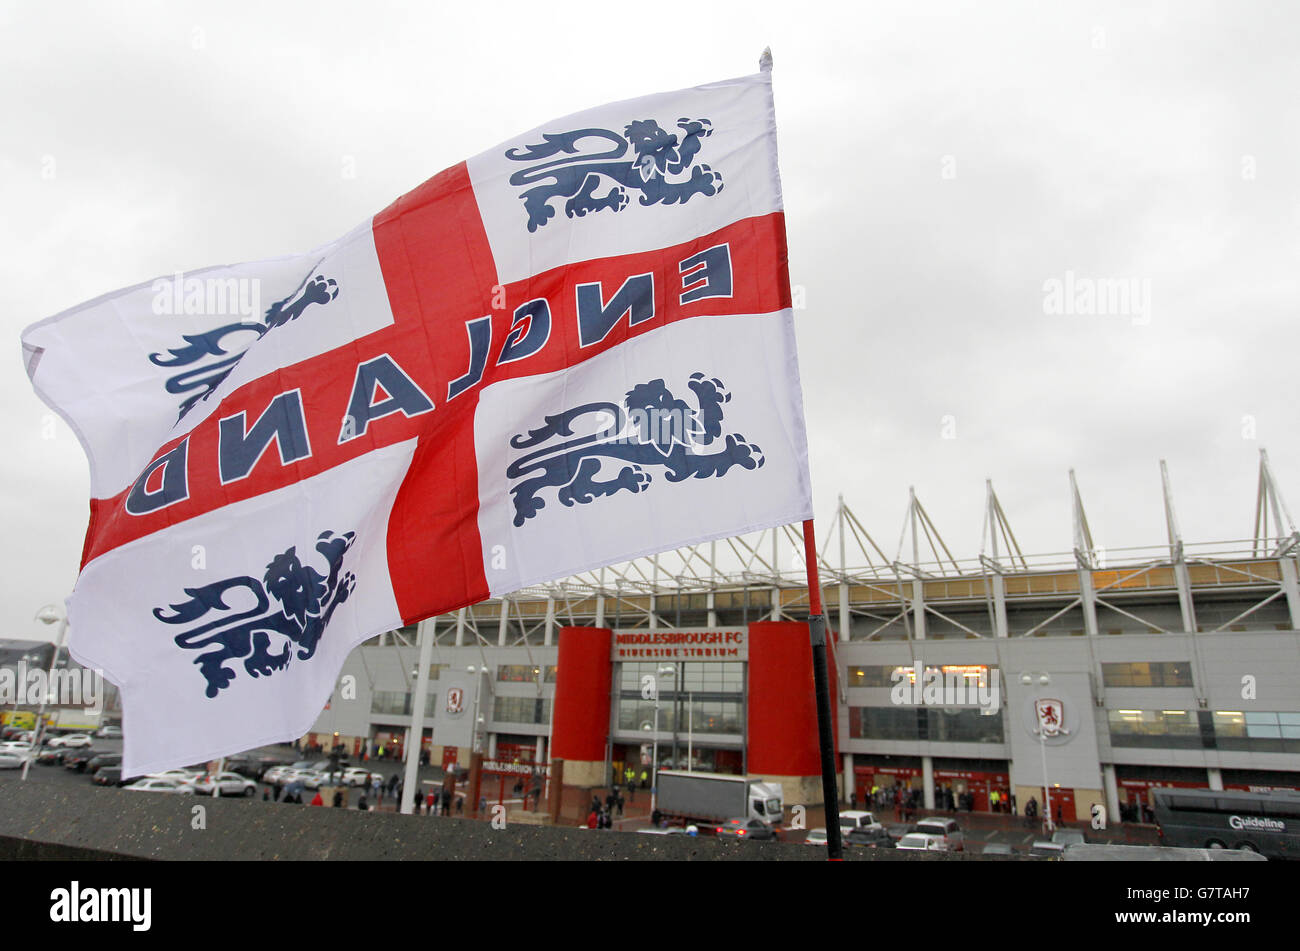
(1262, 725)
(1229, 723)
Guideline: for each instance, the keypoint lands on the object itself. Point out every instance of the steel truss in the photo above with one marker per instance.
(922, 591)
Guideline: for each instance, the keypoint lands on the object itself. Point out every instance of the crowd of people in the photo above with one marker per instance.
(601, 815)
(432, 801)
(906, 801)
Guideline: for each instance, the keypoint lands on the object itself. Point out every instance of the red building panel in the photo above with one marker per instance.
(580, 723)
(782, 706)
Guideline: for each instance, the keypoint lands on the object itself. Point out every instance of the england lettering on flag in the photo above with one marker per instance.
(571, 350)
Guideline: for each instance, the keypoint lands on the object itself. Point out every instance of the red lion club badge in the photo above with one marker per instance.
(1051, 717)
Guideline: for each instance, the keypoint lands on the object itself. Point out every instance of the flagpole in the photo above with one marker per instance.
(821, 684)
(416, 746)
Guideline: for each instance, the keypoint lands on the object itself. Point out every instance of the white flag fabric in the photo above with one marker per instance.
(571, 350)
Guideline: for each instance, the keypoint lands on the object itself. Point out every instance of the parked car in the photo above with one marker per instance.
(109, 732)
(76, 760)
(11, 759)
(1057, 844)
(869, 838)
(743, 828)
(316, 778)
(224, 784)
(946, 830)
(997, 848)
(858, 819)
(182, 776)
(254, 767)
(103, 759)
(290, 775)
(72, 741)
(921, 842)
(160, 786)
(272, 775)
(356, 776)
(108, 776)
(815, 837)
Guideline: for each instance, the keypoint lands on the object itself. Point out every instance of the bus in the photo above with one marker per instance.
(1263, 822)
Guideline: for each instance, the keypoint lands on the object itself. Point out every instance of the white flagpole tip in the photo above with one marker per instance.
(765, 61)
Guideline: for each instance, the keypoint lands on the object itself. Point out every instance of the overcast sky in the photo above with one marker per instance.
(942, 164)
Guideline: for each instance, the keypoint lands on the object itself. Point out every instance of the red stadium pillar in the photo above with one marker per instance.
(781, 734)
(580, 718)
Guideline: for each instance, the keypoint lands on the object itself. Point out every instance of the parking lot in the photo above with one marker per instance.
(428, 777)
(980, 830)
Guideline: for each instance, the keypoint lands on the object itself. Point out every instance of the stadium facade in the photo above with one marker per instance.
(1098, 675)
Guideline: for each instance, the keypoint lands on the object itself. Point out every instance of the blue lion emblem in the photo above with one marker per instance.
(656, 168)
(652, 429)
(202, 380)
(306, 602)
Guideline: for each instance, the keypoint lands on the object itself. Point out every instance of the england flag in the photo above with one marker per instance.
(574, 349)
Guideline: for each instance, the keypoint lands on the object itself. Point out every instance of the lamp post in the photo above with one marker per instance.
(665, 671)
(690, 732)
(478, 686)
(1044, 680)
(46, 615)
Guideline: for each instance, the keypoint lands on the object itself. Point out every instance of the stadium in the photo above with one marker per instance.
(1094, 676)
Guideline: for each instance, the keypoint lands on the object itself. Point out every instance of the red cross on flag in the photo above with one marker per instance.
(574, 349)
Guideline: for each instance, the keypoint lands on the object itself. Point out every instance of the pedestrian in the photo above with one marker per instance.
(428, 802)
(362, 804)
(338, 799)
(593, 820)
(631, 787)
(618, 803)
(317, 800)
(595, 804)
(446, 801)
(419, 802)
(853, 799)
(460, 806)
(482, 805)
